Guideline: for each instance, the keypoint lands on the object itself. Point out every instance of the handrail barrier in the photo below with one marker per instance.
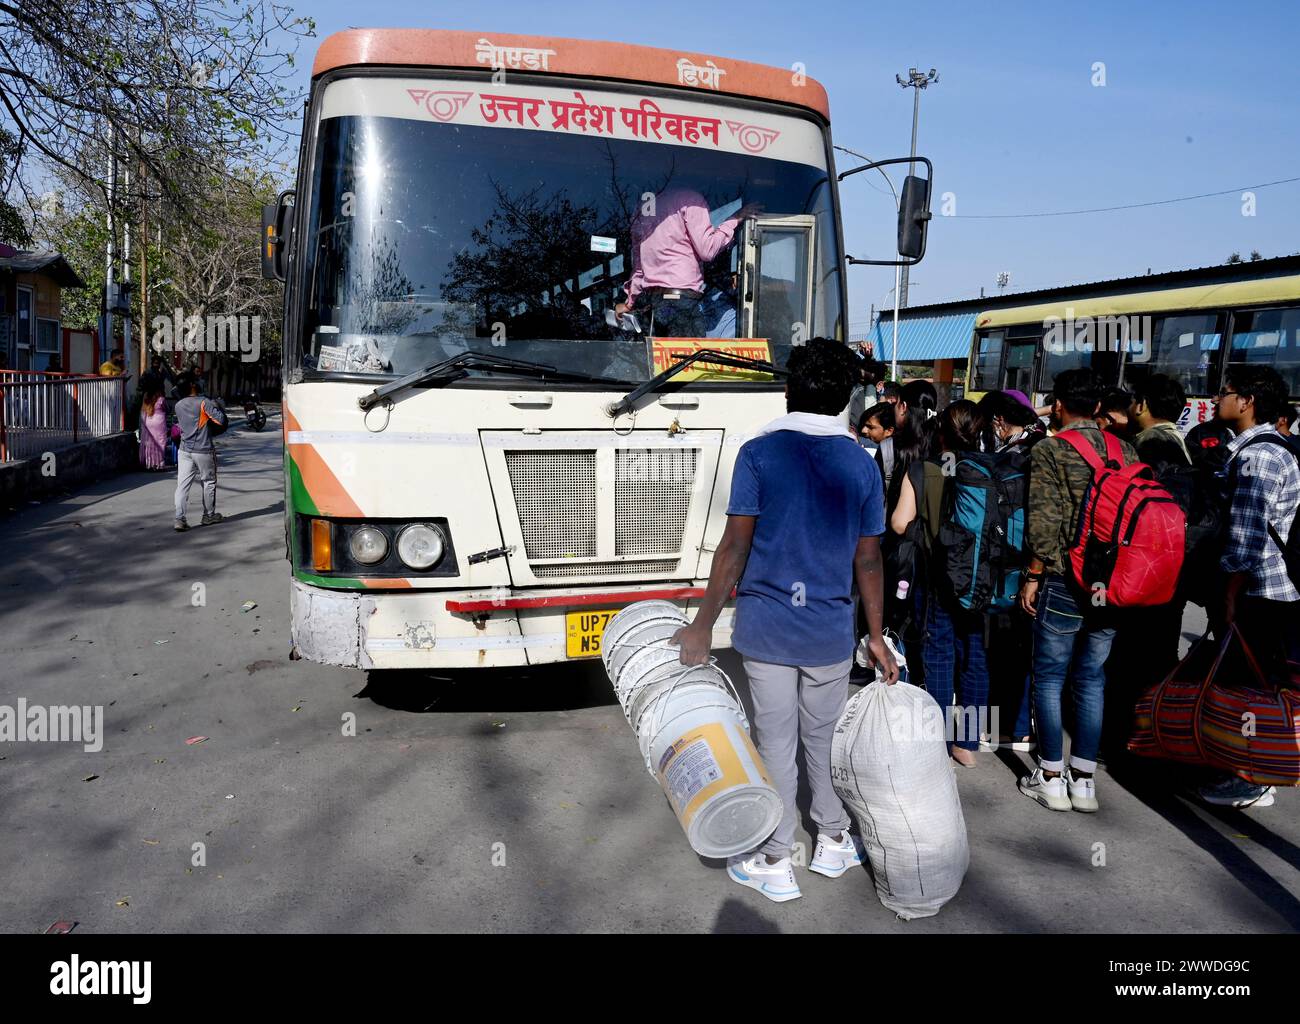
(42, 412)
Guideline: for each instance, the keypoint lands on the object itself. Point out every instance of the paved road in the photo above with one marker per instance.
(306, 829)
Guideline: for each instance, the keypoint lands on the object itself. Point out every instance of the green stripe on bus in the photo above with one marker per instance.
(329, 582)
(299, 495)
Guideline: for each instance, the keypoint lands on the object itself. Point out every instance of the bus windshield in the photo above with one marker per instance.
(448, 217)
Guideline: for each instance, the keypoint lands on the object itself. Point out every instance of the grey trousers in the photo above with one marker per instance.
(189, 467)
(793, 704)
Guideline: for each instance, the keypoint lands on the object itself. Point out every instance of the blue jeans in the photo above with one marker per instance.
(955, 646)
(1068, 643)
(1023, 725)
(1010, 670)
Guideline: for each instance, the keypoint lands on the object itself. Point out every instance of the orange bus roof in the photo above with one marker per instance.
(581, 57)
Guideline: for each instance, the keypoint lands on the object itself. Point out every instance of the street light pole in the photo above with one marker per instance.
(916, 81)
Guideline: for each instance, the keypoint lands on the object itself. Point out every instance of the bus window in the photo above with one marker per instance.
(1020, 365)
(1104, 362)
(1184, 347)
(776, 286)
(1270, 337)
(988, 361)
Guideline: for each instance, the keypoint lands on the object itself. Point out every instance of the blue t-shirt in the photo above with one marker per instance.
(814, 497)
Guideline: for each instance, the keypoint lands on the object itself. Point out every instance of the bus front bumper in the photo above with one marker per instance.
(415, 629)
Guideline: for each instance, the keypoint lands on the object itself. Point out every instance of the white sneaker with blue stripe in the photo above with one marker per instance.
(832, 858)
(775, 881)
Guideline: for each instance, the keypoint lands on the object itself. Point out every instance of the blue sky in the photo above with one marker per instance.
(1199, 97)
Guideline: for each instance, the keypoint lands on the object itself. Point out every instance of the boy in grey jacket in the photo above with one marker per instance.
(200, 419)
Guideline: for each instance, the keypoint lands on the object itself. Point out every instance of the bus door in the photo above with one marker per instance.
(1018, 373)
(1005, 358)
(776, 277)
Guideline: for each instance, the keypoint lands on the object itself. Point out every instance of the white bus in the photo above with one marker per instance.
(485, 457)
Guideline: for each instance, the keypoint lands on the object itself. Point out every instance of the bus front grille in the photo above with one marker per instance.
(652, 497)
(551, 572)
(623, 511)
(555, 495)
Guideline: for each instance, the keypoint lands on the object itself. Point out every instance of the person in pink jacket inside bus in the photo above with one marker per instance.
(670, 246)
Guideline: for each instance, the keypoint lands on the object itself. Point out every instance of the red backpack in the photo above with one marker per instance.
(1128, 545)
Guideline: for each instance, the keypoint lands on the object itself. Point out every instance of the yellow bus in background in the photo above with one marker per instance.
(1126, 337)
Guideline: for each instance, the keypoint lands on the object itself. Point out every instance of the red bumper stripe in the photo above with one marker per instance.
(488, 604)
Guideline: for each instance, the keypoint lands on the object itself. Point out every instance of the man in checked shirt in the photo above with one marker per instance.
(1264, 489)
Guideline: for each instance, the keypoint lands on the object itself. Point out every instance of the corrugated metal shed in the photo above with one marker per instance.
(925, 339)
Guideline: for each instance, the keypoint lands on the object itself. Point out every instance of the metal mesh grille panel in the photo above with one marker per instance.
(652, 497)
(544, 572)
(555, 495)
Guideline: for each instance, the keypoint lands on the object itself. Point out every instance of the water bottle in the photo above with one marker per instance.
(901, 592)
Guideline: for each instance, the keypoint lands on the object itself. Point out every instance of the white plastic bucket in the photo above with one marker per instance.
(657, 684)
(692, 732)
(642, 666)
(634, 616)
(696, 744)
(646, 669)
(646, 636)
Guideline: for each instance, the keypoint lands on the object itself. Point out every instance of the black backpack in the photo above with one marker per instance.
(905, 557)
(1198, 491)
(1291, 546)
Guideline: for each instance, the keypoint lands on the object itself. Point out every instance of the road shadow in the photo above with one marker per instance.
(567, 686)
(1167, 789)
(738, 918)
(275, 508)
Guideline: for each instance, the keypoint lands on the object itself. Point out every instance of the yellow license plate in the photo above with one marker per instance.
(583, 630)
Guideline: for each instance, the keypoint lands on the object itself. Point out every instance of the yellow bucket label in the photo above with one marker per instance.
(702, 762)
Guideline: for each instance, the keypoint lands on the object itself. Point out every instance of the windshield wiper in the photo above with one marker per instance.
(458, 366)
(704, 355)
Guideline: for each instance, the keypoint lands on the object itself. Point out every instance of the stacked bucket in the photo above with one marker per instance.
(692, 732)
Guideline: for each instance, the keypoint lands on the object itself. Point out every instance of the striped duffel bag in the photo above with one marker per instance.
(1251, 730)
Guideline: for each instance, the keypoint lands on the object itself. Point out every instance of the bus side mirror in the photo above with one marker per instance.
(913, 211)
(913, 217)
(275, 218)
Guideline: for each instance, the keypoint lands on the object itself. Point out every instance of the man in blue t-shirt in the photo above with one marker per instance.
(806, 513)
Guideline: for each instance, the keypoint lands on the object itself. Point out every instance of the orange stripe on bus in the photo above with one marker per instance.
(581, 57)
(329, 494)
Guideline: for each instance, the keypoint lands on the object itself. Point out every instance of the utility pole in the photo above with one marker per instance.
(128, 350)
(106, 338)
(916, 81)
(145, 349)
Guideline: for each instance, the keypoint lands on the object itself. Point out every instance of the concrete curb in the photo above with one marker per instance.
(79, 464)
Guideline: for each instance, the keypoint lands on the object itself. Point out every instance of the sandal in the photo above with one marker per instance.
(968, 753)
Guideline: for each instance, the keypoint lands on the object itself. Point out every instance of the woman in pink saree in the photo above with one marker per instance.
(153, 432)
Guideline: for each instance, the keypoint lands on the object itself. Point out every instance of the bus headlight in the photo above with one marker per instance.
(420, 545)
(368, 545)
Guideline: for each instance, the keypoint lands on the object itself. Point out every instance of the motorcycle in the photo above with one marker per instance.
(254, 414)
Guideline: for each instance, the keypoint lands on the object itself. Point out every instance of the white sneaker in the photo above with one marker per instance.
(1083, 792)
(832, 859)
(1048, 792)
(1238, 793)
(775, 881)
